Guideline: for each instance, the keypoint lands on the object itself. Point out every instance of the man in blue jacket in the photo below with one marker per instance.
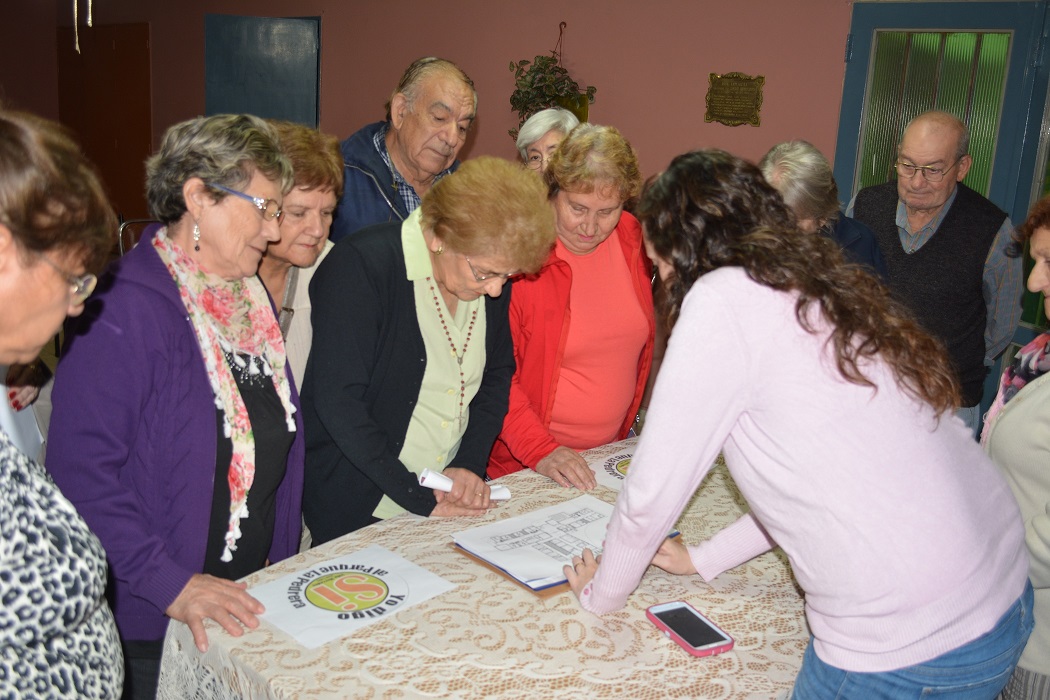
(389, 165)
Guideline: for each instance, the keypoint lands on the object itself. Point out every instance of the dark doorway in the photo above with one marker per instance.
(104, 95)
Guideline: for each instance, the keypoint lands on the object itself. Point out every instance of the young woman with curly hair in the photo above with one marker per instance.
(834, 413)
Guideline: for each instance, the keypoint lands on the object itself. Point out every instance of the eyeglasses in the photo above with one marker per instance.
(930, 173)
(80, 286)
(535, 162)
(269, 208)
(486, 275)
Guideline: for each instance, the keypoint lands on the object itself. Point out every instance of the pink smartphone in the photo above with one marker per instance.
(689, 629)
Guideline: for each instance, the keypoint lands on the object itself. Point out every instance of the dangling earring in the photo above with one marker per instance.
(440, 250)
(196, 237)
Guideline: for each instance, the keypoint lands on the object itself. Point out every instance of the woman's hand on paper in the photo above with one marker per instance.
(566, 467)
(469, 494)
(226, 602)
(582, 571)
(673, 557)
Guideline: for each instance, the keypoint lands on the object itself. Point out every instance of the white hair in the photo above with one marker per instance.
(804, 179)
(537, 126)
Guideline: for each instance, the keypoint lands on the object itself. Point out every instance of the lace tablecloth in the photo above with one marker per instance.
(489, 638)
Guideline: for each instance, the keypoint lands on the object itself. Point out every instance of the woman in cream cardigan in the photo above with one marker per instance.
(1015, 436)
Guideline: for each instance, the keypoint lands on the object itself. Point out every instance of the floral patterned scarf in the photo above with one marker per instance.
(1031, 362)
(231, 318)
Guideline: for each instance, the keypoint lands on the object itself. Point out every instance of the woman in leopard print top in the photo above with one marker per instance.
(57, 634)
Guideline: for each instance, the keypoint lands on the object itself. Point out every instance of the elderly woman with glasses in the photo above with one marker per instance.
(540, 135)
(411, 359)
(583, 327)
(57, 634)
(175, 428)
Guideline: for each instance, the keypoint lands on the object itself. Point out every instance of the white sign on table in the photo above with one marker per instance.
(610, 462)
(335, 598)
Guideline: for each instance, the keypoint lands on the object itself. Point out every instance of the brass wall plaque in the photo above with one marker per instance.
(734, 99)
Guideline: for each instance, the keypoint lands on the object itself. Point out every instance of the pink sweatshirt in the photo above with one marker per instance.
(903, 535)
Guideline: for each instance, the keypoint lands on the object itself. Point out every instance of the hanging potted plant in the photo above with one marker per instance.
(544, 82)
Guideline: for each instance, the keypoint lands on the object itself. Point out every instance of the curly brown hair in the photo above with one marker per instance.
(1038, 217)
(710, 209)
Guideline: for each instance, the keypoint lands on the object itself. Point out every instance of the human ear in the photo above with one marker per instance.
(964, 167)
(196, 195)
(437, 246)
(398, 108)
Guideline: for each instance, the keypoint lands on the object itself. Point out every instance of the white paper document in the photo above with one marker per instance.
(440, 482)
(610, 462)
(337, 597)
(534, 547)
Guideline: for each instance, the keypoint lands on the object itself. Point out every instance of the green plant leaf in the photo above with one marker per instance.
(540, 83)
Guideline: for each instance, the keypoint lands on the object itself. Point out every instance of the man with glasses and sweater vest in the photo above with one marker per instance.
(945, 247)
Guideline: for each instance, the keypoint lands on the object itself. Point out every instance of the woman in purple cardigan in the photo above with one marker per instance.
(175, 429)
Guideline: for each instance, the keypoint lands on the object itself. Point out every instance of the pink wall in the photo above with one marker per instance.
(649, 60)
(651, 67)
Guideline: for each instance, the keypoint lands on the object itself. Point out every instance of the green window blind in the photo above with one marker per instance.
(960, 72)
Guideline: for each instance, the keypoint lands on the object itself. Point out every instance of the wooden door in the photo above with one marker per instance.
(104, 95)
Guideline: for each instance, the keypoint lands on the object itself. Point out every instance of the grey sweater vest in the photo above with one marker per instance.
(941, 282)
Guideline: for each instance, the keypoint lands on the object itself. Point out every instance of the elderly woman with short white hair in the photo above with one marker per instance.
(541, 133)
(803, 177)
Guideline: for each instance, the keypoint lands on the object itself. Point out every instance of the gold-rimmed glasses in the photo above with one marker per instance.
(485, 275)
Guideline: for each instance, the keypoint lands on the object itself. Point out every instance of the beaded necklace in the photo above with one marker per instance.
(459, 355)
